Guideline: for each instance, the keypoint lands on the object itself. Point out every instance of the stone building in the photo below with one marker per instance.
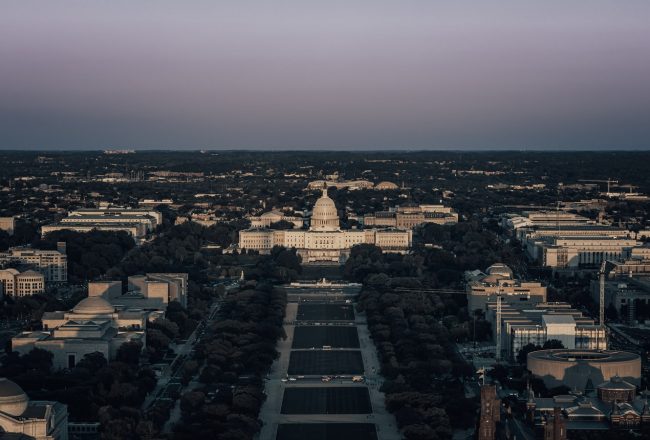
(409, 216)
(498, 279)
(16, 283)
(523, 323)
(136, 222)
(8, 224)
(53, 264)
(93, 325)
(582, 369)
(21, 418)
(324, 241)
(153, 291)
(490, 413)
(268, 218)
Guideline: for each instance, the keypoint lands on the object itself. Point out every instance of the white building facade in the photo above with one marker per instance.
(325, 241)
(29, 419)
(93, 325)
(53, 264)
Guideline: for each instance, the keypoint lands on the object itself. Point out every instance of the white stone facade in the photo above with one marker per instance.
(325, 241)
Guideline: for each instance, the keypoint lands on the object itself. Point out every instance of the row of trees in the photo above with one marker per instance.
(91, 254)
(237, 351)
(414, 327)
(93, 389)
(418, 361)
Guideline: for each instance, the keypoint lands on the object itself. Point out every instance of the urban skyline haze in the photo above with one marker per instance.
(338, 75)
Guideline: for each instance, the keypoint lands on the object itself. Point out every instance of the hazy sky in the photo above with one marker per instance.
(276, 74)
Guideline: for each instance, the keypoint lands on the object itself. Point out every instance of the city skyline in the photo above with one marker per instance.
(293, 76)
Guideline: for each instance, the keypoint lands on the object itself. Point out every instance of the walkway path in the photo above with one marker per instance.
(270, 412)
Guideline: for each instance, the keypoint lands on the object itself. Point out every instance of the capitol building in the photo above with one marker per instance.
(324, 241)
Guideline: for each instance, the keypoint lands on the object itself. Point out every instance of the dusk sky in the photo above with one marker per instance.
(306, 74)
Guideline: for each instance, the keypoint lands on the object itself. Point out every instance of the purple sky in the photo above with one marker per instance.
(278, 74)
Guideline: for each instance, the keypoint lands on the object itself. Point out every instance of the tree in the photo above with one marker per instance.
(192, 401)
(552, 344)
(129, 353)
(522, 356)
(38, 359)
(93, 362)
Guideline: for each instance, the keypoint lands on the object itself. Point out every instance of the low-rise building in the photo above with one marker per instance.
(93, 325)
(268, 218)
(339, 184)
(409, 216)
(16, 283)
(563, 240)
(498, 279)
(153, 291)
(166, 287)
(523, 324)
(582, 370)
(576, 252)
(53, 264)
(22, 418)
(386, 186)
(8, 224)
(136, 222)
(586, 413)
(537, 219)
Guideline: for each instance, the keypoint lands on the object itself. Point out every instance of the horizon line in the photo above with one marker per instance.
(331, 149)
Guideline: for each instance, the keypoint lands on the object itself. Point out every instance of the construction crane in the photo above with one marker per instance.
(630, 187)
(498, 341)
(608, 181)
(601, 300)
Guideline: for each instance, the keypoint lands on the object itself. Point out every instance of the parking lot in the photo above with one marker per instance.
(325, 362)
(319, 336)
(324, 400)
(326, 431)
(325, 312)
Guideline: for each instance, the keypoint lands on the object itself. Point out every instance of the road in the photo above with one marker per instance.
(182, 353)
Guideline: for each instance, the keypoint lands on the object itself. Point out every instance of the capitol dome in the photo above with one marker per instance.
(13, 400)
(93, 305)
(324, 216)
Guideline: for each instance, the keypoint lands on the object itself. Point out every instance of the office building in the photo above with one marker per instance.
(340, 184)
(523, 324)
(53, 264)
(268, 218)
(135, 222)
(16, 283)
(409, 216)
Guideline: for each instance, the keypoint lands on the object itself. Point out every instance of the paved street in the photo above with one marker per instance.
(182, 353)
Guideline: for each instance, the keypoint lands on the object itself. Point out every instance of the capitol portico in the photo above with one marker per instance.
(324, 241)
